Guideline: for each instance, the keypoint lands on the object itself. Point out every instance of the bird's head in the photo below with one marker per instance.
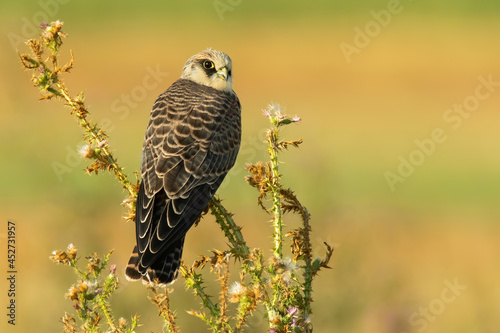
(211, 68)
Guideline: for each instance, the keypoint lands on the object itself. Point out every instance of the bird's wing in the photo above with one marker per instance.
(191, 142)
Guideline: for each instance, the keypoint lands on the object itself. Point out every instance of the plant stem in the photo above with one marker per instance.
(308, 278)
(103, 304)
(162, 301)
(229, 227)
(272, 135)
(194, 281)
(98, 137)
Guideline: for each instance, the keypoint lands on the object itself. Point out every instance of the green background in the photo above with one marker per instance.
(394, 250)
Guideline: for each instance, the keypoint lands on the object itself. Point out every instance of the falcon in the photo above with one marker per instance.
(191, 142)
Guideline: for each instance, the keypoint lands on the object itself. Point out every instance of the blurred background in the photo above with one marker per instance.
(400, 165)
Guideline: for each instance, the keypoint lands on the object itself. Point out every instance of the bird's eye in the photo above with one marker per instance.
(208, 64)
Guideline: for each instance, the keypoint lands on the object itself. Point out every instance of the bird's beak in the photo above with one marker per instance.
(222, 73)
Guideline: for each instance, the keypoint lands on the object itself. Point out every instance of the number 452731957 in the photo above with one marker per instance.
(11, 248)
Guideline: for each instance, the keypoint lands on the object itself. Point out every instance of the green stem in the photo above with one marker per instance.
(97, 137)
(107, 312)
(275, 187)
(231, 230)
(308, 274)
(194, 281)
(275, 191)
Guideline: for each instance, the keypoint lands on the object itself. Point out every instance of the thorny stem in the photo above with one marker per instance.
(98, 138)
(194, 281)
(272, 138)
(162, 301)
(167, 320)
(229, 227)
(308, 270)
(274, 186)
(103, 304)
(224, 278)
(73, 265)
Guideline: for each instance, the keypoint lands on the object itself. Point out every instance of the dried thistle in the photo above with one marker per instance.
(52, 35)
(67, 257)
(162, 302)
(94, 263)
(90, 294)
(60, 257)
(261, 178)
(69, 324)
(287, 296)
(222, 267)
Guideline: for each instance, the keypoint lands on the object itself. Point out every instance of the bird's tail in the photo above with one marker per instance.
(162, 271)
(132, 272)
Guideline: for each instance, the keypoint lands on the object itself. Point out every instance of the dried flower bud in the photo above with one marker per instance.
(103, 143)
(86, 151)
(83, 286)
(72, 251)
(94, 263)
(59, 257)
(277, 118)
(274, 319)
(236, 291)
(292, 311)
(122, 323)
(73, 293)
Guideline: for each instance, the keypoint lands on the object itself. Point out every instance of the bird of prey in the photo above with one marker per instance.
(191, 142)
